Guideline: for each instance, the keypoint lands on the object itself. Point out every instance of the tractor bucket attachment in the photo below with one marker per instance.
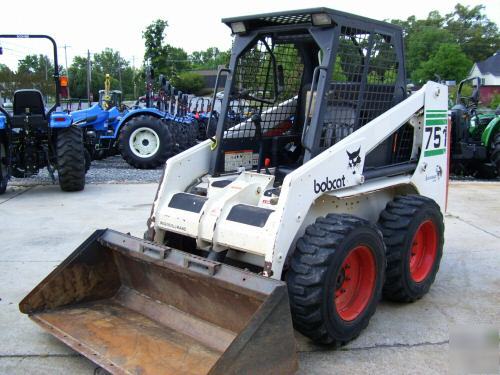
(137, 308)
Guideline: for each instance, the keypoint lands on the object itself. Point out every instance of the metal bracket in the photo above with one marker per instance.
(201, 265)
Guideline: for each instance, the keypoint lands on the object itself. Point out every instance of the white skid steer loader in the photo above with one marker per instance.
(327, 196)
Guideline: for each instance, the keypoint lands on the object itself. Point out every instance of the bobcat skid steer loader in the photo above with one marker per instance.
(328, 196)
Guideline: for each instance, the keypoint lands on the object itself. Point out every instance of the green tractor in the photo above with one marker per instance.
(475, 136)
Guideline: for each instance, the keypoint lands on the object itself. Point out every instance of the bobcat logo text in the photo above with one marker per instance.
(329, 185)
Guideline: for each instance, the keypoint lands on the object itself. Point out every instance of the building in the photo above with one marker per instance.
(489, 72)
(209, 77)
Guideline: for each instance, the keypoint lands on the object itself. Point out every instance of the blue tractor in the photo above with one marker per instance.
(99, 121)
(32, 138)
(145, 136)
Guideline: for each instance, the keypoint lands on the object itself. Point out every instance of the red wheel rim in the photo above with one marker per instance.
(355, 283)
(423, 251)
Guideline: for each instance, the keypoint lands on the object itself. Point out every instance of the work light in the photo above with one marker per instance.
(321, 19)
(238, 27)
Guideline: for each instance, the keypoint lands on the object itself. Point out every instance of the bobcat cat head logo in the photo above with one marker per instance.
(354, 160)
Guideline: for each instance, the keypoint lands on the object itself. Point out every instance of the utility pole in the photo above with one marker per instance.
(133, 77)
(66, 60)
(89, 78)
(120, 72)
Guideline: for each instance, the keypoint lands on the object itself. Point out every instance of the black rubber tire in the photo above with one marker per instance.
(164, 150)
(70, 159)
(192, 132)
(399, 223)
(99, 155)
(3, 184)
(495, 154)
(88, 159)
(3, 168)
(312, 277)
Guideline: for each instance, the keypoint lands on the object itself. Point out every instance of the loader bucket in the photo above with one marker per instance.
(135, 307)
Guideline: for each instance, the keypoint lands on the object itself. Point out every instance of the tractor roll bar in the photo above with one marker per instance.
(56, 63)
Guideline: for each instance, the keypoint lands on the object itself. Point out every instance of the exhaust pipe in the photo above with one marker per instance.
(134, 307)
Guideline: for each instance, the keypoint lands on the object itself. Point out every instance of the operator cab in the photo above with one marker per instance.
(28, 109)
(271, 119)
(108, 100)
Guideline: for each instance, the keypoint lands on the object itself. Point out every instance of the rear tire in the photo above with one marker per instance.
(495, 154)
(70, 159)
(413, 231)
(336, 277)
(145, 142)
(4, 179)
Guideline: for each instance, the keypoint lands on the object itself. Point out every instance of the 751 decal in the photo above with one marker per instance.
(435, 133)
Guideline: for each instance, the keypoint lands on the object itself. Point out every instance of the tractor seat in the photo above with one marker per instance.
(28, 109)
(28, 102)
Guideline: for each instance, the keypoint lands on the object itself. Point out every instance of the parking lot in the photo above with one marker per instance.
(41, 226)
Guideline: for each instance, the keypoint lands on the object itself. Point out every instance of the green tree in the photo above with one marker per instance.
(7, 81)
(189, 82)
(36, 71)
(478, 36)
(164, 58)
(211, 58)
(468, 27)
(422, 44)
(449, 62)
(105, 62)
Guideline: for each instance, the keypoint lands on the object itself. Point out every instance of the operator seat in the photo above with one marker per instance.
(28, 109)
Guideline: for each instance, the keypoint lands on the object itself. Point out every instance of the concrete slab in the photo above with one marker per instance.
(43, 225)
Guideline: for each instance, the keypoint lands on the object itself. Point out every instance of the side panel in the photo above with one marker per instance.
(2, 122)
(431, 175)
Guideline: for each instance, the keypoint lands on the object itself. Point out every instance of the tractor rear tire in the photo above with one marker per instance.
(3, 168)
(495, 154)
(413, 230)
(70, 159)
(336, 277)
(145, 142)
(3, 184)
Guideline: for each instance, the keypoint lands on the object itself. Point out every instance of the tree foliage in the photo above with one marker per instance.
(104, 62)
(428, 42)
(164, 58)
(189, 82)
(448, 61)
(211, 58)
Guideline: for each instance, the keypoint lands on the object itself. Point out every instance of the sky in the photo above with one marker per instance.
(194, 25)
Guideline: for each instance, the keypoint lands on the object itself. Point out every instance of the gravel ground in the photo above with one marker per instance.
(114, 170)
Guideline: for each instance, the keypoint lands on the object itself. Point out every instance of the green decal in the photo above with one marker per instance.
(439, 151)
(436, 122)
(436, 115)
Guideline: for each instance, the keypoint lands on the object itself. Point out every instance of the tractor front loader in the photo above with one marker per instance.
(328, 196)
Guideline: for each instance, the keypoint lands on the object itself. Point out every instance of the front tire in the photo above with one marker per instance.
(145, 142)
(413, 230)
(336, 278)
(70, 159)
